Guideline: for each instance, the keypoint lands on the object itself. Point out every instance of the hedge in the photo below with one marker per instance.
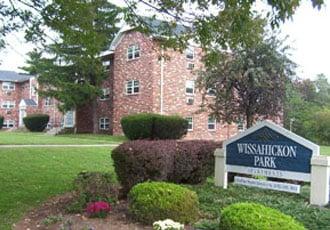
(188, 162)
(153, 126)
(252, 216)
(1, 121)
(36, 122)
(153, 201)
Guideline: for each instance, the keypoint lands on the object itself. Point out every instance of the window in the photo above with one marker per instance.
(8, 104)
(104, 123)
(33, 90)
(240, 125)
(105, 94)
(211, 92)
(211, 124)
(190, 54)
(7, 124)
(133, 52)
(190, 87)
(132, 87)
(48, 101)
(190, 66)
(190, 123)
(107, 64)
(6, 85)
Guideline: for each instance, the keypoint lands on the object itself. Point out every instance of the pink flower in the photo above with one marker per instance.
(98, 209)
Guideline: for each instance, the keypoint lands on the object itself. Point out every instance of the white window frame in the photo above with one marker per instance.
(8, 104)
(105, 94)
(214, 122)
(104, 123)
(190, 53)
(48, 101)
(135, 51)
(209, 90)
(8, 86)
(8, 123)
(192, 123)
(190, 84)
(190, 66)
(107, 64)
(130, 87)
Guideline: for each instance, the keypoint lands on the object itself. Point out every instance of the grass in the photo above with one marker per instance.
(29, 176)
(325, 150)
(213, 199)
(29, 138)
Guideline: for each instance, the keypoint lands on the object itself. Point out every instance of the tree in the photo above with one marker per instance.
(248, 82)
(70, 68)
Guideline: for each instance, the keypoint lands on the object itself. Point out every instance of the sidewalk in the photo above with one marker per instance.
(58, 145)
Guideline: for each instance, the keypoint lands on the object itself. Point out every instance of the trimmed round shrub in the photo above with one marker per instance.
(169, 127)
(138, 126)
(142, 160)
(1, 121)
(36, 122)
(252, 216)
(153, 201)
(188, 162)
(153, 126)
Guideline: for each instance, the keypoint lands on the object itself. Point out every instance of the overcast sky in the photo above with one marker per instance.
(309, 36)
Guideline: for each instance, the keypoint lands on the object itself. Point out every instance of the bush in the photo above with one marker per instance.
(141, 160)
(96, 186)
(98, 209)
(188, 162)
(152, 201)
(92, 187)
(36, 122)
(252, 216)
(153, 126)
(320, 127)
(1, 121)
(194, 161)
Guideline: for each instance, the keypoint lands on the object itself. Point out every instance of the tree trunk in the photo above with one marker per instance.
(249, 120)
(94, 116)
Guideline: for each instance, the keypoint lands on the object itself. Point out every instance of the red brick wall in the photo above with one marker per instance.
(139, 69)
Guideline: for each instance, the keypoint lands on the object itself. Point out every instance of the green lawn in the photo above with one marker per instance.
(29, 176)
(325, 150)
(27, 138)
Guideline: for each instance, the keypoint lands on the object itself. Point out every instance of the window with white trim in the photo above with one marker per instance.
(105, 94)
(211, 92)
(190, 87)
(211, 123)
(190, 53)
(132, 87)
(8, 104)
(107, 64)
(7, 124)
(133, 52)
(8, 86)
(190, 66)
(48, 101)
(104, 123)
(190, 123)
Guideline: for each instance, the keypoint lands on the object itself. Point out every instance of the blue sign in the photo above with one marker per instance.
(270, 150)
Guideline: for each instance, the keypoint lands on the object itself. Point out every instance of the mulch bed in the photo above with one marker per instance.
(118, 218)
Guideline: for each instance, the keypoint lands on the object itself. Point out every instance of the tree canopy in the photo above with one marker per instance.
(248, 82)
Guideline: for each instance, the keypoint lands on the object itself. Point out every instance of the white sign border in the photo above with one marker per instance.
(294, 137)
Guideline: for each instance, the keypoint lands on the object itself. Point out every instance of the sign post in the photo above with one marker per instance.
(269, 150)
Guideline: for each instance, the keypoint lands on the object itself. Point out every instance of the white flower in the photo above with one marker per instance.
(167, 225)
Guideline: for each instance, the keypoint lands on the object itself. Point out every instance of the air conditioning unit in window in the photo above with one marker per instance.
(190, 101)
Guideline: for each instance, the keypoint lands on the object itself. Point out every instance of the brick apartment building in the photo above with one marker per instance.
(140, 80)
(142, 77)
(19, 97)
